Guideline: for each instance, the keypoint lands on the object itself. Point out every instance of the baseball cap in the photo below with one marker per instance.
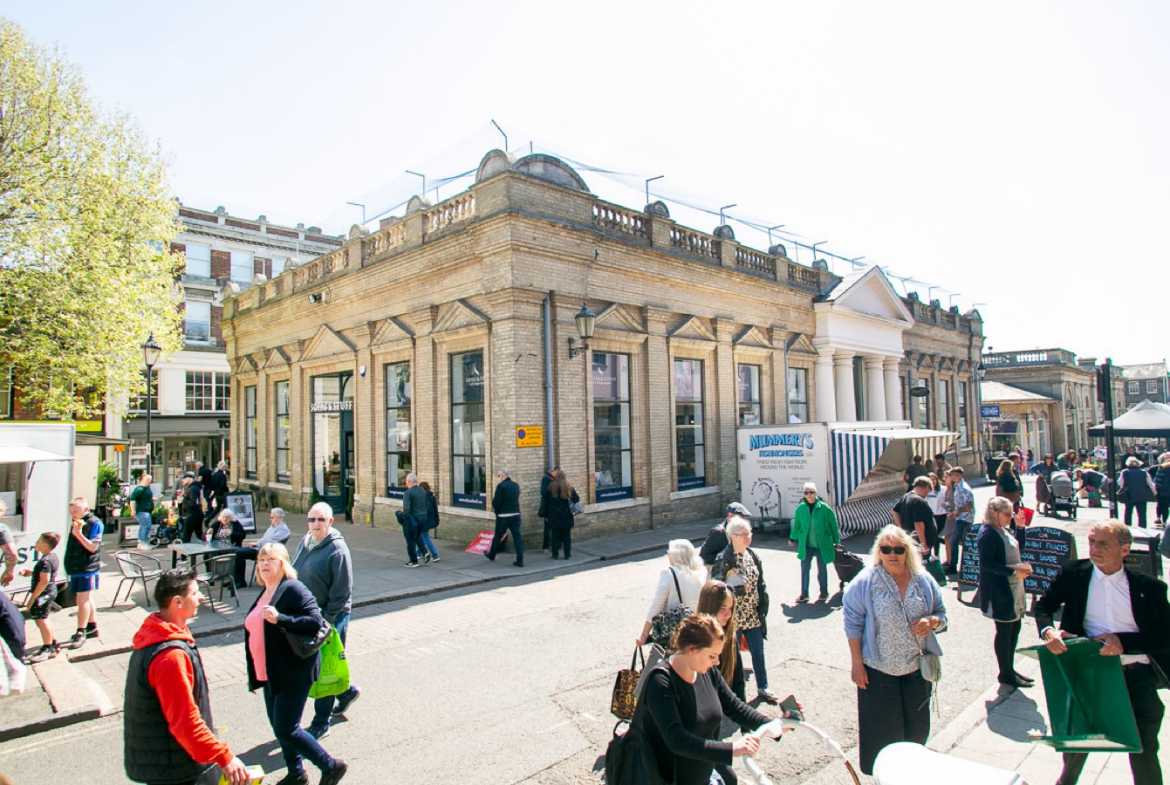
(735, 508)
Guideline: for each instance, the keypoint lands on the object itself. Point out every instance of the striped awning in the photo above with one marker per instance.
(855, 453)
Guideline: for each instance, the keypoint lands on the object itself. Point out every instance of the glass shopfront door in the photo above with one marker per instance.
(333, 453)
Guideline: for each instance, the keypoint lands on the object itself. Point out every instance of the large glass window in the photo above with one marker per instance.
(612, 453)
(197, 322)
(250, 432)
(278, 263)
(397, 428)
(748, 394)
(243, 266)
(468, 437)
(797, 395)
(944, 404)
(688, 424)
(963, 424)
(199, 260)
(923, 411)
(207, 391)
(280, 391)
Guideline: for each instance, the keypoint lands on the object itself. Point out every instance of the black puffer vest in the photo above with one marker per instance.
(77, 559)
(152, 754)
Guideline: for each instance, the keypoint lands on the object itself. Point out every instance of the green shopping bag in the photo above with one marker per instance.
(334, 678)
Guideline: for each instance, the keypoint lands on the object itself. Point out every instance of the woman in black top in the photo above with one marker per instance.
(227, 528)
(558, 502)
(718, 600)
(687, 698)
(1007, 480)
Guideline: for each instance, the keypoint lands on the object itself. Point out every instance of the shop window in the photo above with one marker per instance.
(748, 394)
(688, 424)
(612, 450)
(333, 455)
(398, 463)
(280, 392)
(797, 395)
(207, 391)
(944, 404)
(250, 432)
(963, 425)
(199, 260)
(468, 431)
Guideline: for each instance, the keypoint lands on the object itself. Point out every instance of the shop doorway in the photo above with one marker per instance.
(333, 441)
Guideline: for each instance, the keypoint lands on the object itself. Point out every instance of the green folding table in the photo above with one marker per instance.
(1088, 703)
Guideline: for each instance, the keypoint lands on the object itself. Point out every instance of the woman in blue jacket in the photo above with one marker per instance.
(1139, 490)
(284, 608)
(1001, 586)
(814, 533)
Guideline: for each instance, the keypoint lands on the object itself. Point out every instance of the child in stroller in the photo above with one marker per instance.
(166, 531)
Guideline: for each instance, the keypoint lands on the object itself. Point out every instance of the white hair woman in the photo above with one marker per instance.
(678, 585)
(1001, 586)
(1139, 490)
(741, 569)
(814, 533)
(893, 609)
(227, 529)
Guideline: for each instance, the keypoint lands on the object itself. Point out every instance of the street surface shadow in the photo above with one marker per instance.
(810, 610)
(1014, 717)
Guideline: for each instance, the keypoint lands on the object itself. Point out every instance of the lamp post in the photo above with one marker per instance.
(586, 320)
(150, 352)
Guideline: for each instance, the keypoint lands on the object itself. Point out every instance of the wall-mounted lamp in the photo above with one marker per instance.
(919, 390)
(316, 297)
(981, 370)
(586, 320)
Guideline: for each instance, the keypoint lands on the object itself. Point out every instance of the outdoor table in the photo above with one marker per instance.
(192, 550)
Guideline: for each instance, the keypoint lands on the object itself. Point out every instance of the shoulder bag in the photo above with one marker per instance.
(929, 664)
(663, 625)
(623, 701)
(304, 646)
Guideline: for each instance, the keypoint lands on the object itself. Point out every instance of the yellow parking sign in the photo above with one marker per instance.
(530, 436)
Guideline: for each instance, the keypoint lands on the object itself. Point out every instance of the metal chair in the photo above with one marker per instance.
(136, 567)
(219, 569)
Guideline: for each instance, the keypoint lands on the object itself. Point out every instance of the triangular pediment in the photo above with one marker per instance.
(804, 345)
(753, 336)
(615, 317)
(390, 330)
(244, 364)
(458, 314)
(694, 328)
(326, 343)
(870, 293)
(276, 358)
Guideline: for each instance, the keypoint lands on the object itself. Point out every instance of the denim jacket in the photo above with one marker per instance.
(859, 612)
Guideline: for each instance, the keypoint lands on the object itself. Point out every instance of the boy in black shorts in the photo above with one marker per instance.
(44, 591)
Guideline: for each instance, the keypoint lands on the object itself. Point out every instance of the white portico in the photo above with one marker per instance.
(859, 344)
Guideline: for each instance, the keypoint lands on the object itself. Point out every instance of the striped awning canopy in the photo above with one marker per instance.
(856, 453)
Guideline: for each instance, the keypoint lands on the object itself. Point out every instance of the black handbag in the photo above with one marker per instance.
(304, 646)
(664, 623)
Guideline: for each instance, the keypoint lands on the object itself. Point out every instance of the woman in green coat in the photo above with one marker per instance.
(814, 533)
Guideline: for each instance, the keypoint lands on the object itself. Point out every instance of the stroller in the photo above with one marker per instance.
(166, 532)
(1061, 496)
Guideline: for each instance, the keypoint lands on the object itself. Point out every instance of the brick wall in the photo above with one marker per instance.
(221, 264)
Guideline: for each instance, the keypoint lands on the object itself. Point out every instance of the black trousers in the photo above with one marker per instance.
(1141, 513)
(503, 525)
(1163, 506)
(559, 537)
(193, 525)
(1148, 711)
(544, 543)
(889, 710)
(1007, 637)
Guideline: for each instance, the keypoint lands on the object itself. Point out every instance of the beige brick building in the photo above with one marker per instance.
(422, 347)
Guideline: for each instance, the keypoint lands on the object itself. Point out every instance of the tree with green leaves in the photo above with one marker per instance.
(86, 218)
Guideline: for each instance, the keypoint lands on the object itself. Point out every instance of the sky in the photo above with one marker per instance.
(1009, 156)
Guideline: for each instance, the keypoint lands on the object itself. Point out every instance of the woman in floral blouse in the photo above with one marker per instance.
(741, 569)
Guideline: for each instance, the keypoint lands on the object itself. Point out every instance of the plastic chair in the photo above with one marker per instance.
(136, 567)
(219, 569)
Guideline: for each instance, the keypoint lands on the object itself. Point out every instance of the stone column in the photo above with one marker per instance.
(846, 400)
(875, 388)
(893, 389)
(826, 397)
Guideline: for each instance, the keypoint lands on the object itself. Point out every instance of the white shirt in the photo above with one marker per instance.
(1109, 610)
(690, 582)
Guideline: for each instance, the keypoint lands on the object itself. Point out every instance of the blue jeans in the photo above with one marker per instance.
(755, 642)
(806, 568)
(425, 545)
(956, 540)
(143, 526)
(323, 707)
(284, 715)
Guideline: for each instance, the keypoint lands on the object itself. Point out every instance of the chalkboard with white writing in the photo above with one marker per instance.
(969, 564)
(1047, 549)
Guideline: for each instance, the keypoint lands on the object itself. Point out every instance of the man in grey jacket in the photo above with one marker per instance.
(323, 564)
(414, 520)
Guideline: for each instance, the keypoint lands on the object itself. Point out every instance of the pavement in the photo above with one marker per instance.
(993, 729)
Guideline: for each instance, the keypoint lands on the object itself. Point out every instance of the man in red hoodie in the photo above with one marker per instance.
(167, 717)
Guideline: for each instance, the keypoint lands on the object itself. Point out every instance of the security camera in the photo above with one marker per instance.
(315, 297)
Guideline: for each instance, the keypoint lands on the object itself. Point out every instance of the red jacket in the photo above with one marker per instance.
(172, 677)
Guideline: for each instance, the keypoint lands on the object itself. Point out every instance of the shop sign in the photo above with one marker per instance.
(989, 410)
(475, 501)
(331, 406)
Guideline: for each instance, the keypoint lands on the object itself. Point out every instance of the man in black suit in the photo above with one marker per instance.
(1128, 613)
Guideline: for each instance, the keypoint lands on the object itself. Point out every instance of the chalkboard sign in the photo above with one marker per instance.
(969, 564)
(1047, 549)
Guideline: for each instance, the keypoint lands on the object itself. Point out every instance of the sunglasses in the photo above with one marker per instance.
(311, 520)
(810, 493)
(898, 549)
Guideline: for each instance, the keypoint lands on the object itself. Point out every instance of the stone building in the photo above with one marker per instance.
(422, 347)
(1146, 382)
(190, 402)
(1018, 417)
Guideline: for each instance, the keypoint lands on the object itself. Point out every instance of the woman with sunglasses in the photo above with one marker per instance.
(718, 600)
(893, 609)
(814, 533)
(741, 568)
(1001, 586)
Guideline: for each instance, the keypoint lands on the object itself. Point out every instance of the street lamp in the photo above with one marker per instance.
(586, 320)
(150, 352)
